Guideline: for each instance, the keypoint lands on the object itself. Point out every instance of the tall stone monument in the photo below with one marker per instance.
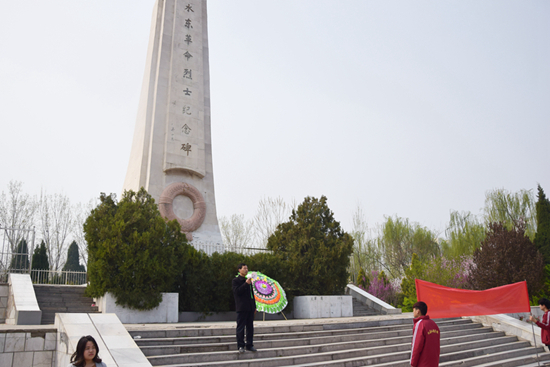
(171, 154)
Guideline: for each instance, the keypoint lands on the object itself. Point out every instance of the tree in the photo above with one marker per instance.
(542, 237)
(133, 253)
(507, 256)
(365, 251)
(73, 259)
(511, 208)
(17, 213)
(40, 262)
(80, 213)
(20, 260)
(408, 286)
(314, 248)
(56, 221)
(399, 239)
(237, 233)
(464, 235)
(271, 212)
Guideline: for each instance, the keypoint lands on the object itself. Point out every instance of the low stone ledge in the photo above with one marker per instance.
(314, 307)
(166, 312)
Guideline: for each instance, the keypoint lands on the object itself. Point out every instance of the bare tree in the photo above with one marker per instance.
(237, 232)
(56, 221)
(81, 212)
(17, 213)
(365, 254)
(271, 212)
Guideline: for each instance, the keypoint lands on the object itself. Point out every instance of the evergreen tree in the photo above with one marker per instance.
(73, 259)
(408, 285)
(314, 248)
(20, 260)
(542, 237)
(40, 262)
(133, 253)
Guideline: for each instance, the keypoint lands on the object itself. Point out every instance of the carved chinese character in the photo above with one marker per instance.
(188, 23)
(187, 73)
(187, 55)
(186, 110)
(187, 92)
(186, 148)
(189, 8)
(186, 129)
(188, 39)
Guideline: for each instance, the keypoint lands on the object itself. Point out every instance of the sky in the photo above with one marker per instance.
(402, 108)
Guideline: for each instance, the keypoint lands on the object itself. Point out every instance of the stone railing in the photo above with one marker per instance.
(371, 301)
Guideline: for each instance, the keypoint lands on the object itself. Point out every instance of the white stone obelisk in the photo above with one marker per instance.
(171, 154)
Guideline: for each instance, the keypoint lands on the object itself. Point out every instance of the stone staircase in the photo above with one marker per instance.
(62, 299)
(361, 309)
(383, 342)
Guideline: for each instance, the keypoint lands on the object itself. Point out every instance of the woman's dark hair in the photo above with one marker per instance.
(545, 302)
(78, 356)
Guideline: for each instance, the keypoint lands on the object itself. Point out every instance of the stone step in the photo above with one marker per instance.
(342, 342)
(301, 354)
(300, 330)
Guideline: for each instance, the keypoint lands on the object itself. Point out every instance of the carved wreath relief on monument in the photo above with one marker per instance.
(199, 206)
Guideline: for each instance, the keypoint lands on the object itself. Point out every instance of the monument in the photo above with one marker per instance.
(171, 154)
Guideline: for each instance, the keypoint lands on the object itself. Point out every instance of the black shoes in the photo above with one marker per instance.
(241, 350)
(252, 349)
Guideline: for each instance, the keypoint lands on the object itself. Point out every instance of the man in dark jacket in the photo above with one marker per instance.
(245, 305)
(425, 342)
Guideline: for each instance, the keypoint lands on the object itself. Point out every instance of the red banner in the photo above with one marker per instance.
(450, 302)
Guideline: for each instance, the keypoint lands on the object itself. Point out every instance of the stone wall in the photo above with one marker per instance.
(4, 293)
(27, 346)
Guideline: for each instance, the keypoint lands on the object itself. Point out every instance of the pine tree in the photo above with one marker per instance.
(40, 262)
(315, 248)
(542, 237)
(73, 260)
(20, 260)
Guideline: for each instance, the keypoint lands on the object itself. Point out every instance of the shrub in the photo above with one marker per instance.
(133, 253)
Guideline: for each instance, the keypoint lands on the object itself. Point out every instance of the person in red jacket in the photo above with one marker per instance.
(544, 324)
(425, 341)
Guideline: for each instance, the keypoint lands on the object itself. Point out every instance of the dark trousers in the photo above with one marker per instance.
(245, 319)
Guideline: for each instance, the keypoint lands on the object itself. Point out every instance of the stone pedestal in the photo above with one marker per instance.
(314, 307)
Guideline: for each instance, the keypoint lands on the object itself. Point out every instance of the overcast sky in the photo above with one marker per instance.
(409, 108)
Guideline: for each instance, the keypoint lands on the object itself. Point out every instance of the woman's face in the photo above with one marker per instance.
(90, 351)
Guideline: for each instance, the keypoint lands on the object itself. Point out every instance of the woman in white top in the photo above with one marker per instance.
(86, 354)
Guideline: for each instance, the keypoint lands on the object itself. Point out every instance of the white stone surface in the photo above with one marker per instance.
(116, 346)
(51, 341)
(6, 359)
(23, 359)
(371, 301)
(166, 312)
(2, 342)
(34, 343)
(313, 307)
(174, 112)
(42, 359)
(22, 304)
(15, 342)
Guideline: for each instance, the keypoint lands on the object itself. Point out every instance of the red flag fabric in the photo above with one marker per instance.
(450, 302)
